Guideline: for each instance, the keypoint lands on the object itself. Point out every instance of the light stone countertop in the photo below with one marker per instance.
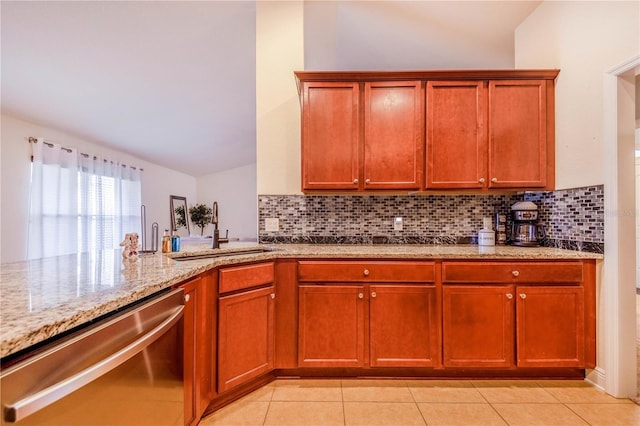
(43, 298)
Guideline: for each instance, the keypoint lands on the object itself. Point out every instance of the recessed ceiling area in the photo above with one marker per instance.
(173, 82)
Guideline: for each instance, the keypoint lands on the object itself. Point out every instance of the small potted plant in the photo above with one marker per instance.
(200, 216)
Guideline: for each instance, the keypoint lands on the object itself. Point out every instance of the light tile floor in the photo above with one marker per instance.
(427, 402)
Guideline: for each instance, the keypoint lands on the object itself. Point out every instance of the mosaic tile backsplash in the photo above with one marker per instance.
(573, 218)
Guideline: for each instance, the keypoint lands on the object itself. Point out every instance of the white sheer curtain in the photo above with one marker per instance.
(79, 202)
(53, 210)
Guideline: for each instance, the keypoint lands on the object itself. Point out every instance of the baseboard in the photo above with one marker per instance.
(596, 377)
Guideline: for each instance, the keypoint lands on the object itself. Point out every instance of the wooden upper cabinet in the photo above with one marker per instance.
(330, 135)
(456, 134)
(518, 153)
(410, 130)
(393, 135)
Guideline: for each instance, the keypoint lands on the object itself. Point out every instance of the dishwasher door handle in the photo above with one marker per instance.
(30, 404)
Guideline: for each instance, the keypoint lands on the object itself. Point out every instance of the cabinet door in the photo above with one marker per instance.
(393, 135)
(191, 417)
(550, 326)
(403, 326)
(456, 134)
(330, 135)
(517, 133)
(478, 328)
(245, 336)
(331, 327)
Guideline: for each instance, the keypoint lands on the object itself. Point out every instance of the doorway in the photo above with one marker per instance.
(637, 163)
(617, 292)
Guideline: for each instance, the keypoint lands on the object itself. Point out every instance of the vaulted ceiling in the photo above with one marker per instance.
(173, 82)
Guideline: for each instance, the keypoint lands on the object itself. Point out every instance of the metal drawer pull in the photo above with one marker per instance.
(481, 180)
(273, 295)
(515, 273)
(373, 294)
(509, 296)
(187, 297)
(494, 179)
(360, 295)
(366, 272)
(355, 181)
(523, 296)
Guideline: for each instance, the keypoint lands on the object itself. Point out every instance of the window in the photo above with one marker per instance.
(78, 202)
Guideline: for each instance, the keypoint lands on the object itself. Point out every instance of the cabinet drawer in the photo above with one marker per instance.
(497, 272)
(246, 276)
(368, 271)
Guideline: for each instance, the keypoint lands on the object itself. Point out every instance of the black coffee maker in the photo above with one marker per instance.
(525, 230)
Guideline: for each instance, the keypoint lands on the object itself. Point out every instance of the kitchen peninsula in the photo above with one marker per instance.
(48, 297)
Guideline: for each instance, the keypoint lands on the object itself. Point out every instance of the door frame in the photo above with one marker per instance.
(617, 290)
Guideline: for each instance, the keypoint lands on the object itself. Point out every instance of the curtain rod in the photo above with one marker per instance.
(50, 145)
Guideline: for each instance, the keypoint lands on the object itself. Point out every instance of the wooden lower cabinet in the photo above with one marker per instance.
(368, 325)
(331, 327)
(507, 326)
(403, 326)
(478, 326)
(245, 336)
(189, 360)
(198, 334)
(551, 326)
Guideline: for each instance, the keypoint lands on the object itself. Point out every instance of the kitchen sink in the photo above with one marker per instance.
(215, 253)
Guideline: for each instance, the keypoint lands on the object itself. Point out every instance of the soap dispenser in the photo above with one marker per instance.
(175, 241)
(166, 242)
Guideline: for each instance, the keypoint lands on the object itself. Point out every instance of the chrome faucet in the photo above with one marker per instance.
(214, 220)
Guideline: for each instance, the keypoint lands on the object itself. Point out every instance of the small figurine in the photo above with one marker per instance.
(130, 244)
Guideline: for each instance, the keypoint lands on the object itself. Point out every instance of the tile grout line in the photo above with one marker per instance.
(424, 419)
(264, 421)
(344, 411)
(579, 416)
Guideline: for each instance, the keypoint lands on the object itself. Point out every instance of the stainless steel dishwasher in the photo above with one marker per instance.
(124, 370)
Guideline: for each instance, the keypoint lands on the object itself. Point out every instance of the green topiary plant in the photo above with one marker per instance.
(200, 216)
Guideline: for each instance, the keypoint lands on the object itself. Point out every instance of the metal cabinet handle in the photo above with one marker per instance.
(481, 180)
(515, 273)
(360, 295)
(494, 180)
(187, 297)
(366, 272)
(273, 295)
(355, 181)
(509, 296)
(367, 181)
(523, 296)
(373, 294)
(35, 402)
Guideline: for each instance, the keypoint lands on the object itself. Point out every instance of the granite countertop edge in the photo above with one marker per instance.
(38, 304)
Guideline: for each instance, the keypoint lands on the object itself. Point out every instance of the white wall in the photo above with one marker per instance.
(586, 40)
(279, 52)
(583, 39)
(235, 192)
(157, 182)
